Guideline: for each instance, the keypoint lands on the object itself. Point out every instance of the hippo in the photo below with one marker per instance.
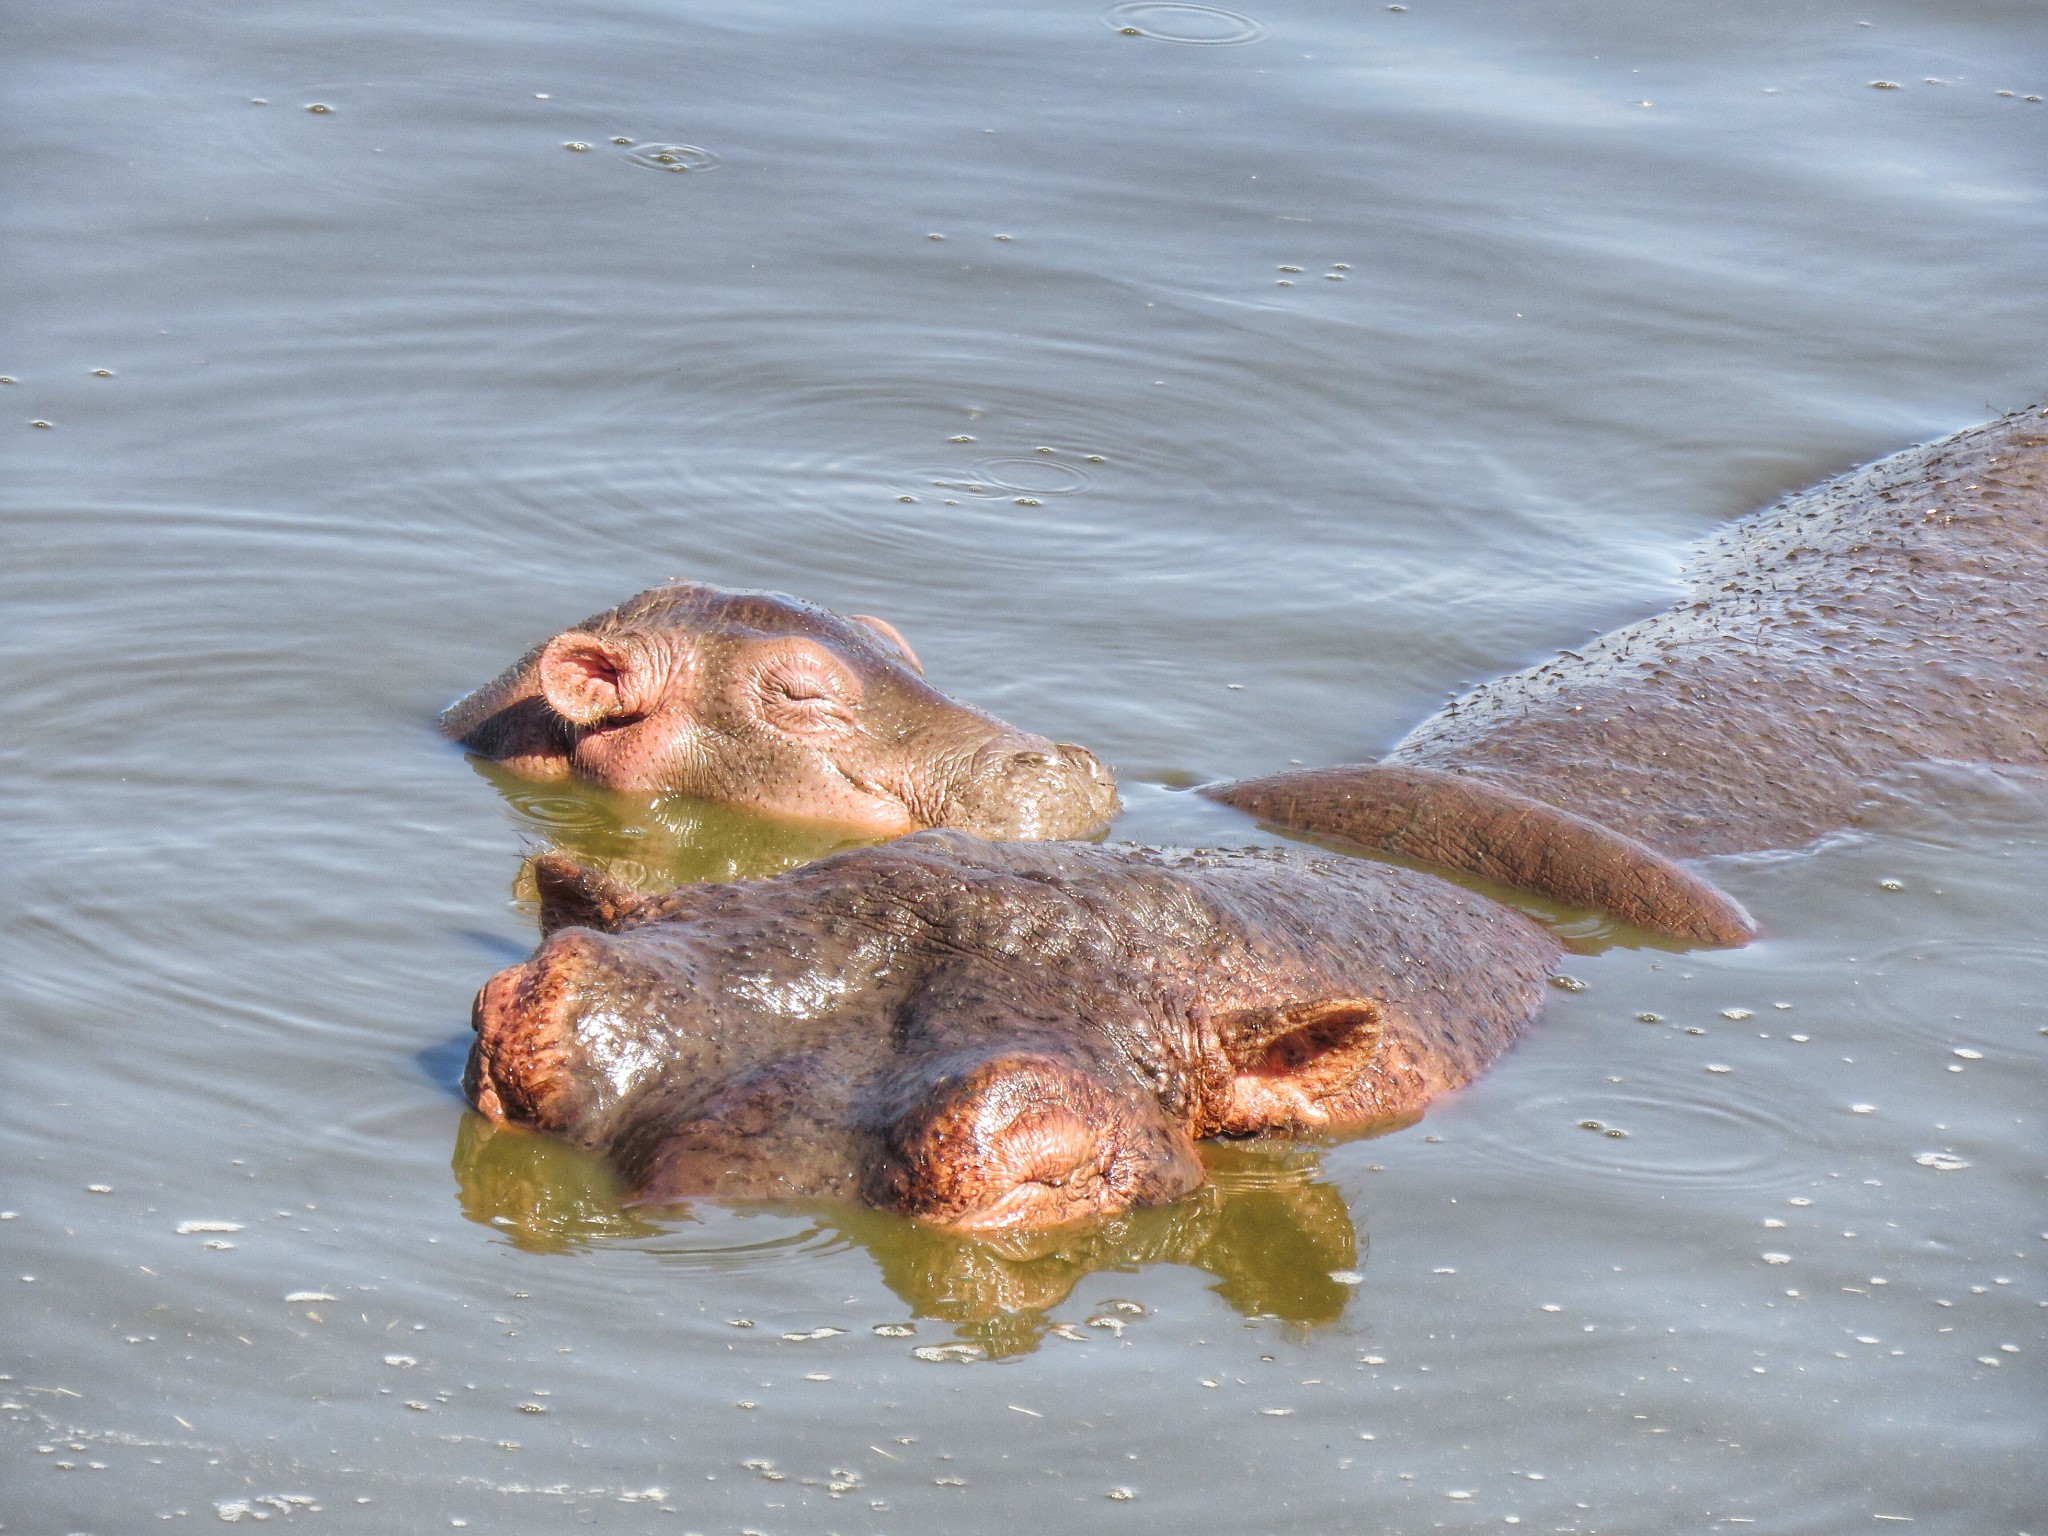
(991, 1035)
(1890, 616)
(768, 702)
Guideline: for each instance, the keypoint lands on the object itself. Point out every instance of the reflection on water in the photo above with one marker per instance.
(655, 844)
(1276, 1236)
(544, 1195)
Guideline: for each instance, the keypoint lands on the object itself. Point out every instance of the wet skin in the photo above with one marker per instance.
(992, 1035)
(763, 701)
(1890, 616)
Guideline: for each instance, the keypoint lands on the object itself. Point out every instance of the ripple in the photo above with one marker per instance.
(1016, 475)
(732, 1238)
(672, 157)
(556, 811)
(1946, 991)
(1691, 1143)
(1202, 25)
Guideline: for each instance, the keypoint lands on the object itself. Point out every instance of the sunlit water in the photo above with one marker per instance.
(1215, 388)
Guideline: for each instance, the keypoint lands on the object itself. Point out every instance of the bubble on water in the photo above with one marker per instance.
(1347, 1277)
(940, 1354)
(319, 107)
(577, 145)
(400, 1360)
(1891, 885)
(1862, 1109)
(187, 1228)
(1718, 1067)
(1202, 25)
(1944, 1162)
(1647, 1017)
(1969, 1055)
(673, 157)
(815, 1333)
(1777, 1258)
(1567, 983)
(895, 1330)
(1276, 1413)
(1121, 1495)
(299, 1296)
(1738, 1014)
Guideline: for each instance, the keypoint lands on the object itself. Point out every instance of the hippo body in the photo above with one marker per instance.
(765, 701)
(1890, 616)
(993, 1034)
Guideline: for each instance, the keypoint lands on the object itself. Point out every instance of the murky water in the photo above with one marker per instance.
(1217, 389)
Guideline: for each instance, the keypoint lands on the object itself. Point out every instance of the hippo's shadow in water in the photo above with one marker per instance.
(1275, 1235)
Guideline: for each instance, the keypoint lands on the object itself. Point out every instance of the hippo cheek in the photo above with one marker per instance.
(1027, 1140)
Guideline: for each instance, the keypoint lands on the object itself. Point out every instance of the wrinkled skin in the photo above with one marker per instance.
(1890, 616)
(760, 700)
(992, 1035)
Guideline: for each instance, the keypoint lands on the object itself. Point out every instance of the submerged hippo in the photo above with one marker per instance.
(992, 1035)
(1892, 615)
(761, 700)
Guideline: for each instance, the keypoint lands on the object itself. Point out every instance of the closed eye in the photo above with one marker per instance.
(801, 694)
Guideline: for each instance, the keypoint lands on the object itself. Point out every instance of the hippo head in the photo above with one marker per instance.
(869, 1028)
(761, 700)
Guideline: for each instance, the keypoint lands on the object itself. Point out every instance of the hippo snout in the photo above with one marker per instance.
(1025, 1138)
(528, 1064)
(1021, 786)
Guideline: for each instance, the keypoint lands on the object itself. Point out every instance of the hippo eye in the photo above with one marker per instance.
(805, 692)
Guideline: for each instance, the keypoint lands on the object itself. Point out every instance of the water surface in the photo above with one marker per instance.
(1215, 389)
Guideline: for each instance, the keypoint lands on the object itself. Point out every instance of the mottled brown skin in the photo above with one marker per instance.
(1893, 615)
(765, 701)
(993, 1035)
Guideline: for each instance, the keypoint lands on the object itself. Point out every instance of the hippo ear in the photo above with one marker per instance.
(573, 895)
(894, 636)
(1288, 1063)
(588, 680)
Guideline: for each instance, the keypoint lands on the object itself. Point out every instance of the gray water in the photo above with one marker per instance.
(980, 318)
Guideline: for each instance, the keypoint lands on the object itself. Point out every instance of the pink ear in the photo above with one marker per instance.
(890, 633)
(1287, 1064)
(587, 680)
